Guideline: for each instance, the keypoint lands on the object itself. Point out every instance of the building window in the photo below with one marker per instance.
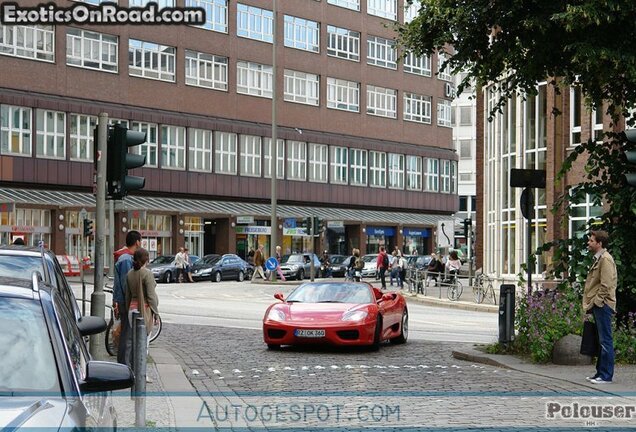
(339, 165)
(280, 158)
(443, 72)
(444, 113)
(414, 173)
(151, 60)
(580, 214)
(318, 163)
(381, 101)
(200, 150)
(396, 171)
(250, 155)
(205, 70)
(419, 65)
(349, 4)
(431, 175)
(358, 164)
(224, 153)
(465, 114)
(343, 43)
(383, 8)
(82, 127)
(417, 108)
(453, 177)
(32, 42)
(302, 87)
(15, 130)
(411, 11)
(302, 34)
(377, 168)
(465, 149)
(597, 121)
(445, 177)
(51, 134)
(149, 148)
(343, 95)
(91, 50)
(381, 52)
(254, 23)
(254, 79)
(575, 116)
(173, 147)
(215, 13)
(296, 160)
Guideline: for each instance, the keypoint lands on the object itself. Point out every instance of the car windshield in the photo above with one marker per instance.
(164, 259)
(331, 293)
(338, 259)
(369, 258)
(213, 260)
(292, 259)
(28, 363)
(20, 267)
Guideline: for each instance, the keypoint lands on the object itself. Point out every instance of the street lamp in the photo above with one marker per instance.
(274, 143)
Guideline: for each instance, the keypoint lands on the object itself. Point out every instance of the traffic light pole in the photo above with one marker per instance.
(274, 149)
(98, 300)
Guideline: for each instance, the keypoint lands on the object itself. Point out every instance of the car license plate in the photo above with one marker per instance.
(314, 333)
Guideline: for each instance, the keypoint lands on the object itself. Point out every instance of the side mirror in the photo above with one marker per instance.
(104, 376)
(90, 325)
(387, 297)
(279, 296)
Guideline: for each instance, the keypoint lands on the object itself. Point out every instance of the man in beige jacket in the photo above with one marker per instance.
(599, 299)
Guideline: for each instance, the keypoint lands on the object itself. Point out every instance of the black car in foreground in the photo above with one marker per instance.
(218, 268)
(48, 379)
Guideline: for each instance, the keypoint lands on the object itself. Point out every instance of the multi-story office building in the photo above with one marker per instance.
(364, 139)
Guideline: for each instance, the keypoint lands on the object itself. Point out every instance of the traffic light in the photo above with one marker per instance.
(631, 157)
(120, 161)
(467, 223)
(88, 227)
(316, 222)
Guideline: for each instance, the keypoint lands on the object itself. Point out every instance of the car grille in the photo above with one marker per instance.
(276, 333)
(349, 334)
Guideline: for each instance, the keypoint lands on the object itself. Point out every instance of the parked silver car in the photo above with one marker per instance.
(370, 265)
(298, 266)
(164, 270)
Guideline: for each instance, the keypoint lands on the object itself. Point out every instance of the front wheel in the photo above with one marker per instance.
(478, 293)
(156, 330)
(273, 347)
(241, 276)
(377, 335)
(217, 277)
(167, 277)
(455, 290)
(301, 274)
(404, 329)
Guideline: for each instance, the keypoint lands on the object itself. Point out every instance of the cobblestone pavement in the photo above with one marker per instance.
(244, 385)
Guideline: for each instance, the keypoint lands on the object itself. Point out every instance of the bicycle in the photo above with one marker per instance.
(483, 289)
(112, 340)
(455, 288)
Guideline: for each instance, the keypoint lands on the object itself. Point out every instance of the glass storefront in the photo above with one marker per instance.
(380, 236)
(194, 235)
(156, 233)
(248, 237)
(416, 241)
(336, 239)
(31, 225)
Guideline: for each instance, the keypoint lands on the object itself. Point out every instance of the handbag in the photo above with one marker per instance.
(589, 341)
(145, 311)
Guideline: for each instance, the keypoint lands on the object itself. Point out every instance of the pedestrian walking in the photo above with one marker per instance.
(401, 269)
(180, 264)
(453, 265)
(434, 269)
(279, 257)
(599, 299)
(259, 260)
(188, 266)
(394, 268)
(123, 259)
(356, 265)
(382, 265)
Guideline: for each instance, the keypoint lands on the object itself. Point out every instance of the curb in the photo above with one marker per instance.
(463, 305)
(479, 359)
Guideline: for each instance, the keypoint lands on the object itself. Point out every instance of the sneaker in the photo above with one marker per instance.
(600, 380)
(590, 378)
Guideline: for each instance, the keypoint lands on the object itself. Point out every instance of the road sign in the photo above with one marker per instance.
(445, 233)
(271, 264)
(527, 202)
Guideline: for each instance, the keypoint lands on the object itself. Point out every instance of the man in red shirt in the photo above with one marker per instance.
(383, 264)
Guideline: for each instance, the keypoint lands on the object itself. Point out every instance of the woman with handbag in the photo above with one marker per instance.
(141, 295)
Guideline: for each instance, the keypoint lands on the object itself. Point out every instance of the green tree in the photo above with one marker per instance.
(515, 44)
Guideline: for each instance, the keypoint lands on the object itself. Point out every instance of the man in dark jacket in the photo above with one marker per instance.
(383, 264)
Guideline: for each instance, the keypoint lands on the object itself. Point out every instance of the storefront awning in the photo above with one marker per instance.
(63, 199)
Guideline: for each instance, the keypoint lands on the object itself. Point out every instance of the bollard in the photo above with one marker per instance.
(506, 313)
(133, 331)
(140, 349)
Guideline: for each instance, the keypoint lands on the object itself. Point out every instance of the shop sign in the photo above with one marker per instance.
(244, 220)
(416, 232)
(378, 231)
(6, 207)
(152, 245)
(253, 229)
(25, 229)
(149, 233)
(289, 223)
(295, 232)
(22, 228)
(335, 224)
(137, 214)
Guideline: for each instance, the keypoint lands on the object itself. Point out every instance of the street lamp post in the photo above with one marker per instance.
(274, 143)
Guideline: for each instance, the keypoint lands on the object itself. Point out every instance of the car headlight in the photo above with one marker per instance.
(295, 267)
(276, 315)
(357, 315)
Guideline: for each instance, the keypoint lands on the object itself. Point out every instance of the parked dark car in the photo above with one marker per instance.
(298, 266)
(339, 265)
(218, 268)
(20, 262)
(48, 379)
(164, 270)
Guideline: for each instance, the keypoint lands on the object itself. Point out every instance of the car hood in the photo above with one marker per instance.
(31, 412)
(370, 265)
(203, 266)
(318, 312)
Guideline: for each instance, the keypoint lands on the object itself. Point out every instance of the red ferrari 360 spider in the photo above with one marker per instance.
(339, 313)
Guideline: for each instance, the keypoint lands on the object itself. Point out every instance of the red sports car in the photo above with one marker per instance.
(339, 313)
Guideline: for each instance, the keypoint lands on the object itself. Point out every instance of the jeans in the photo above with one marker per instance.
(125, 337)
(383, 277)
(605, 360)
